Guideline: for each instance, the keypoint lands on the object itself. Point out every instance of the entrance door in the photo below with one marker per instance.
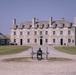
(61, 41)
(21, 41)
(41, 42)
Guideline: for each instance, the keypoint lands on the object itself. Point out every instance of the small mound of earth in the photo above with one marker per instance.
(28, 59)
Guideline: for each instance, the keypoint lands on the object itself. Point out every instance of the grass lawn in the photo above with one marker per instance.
(21, 59)
(12, 49)
(29, 59)
(70, 50)
(58, 59)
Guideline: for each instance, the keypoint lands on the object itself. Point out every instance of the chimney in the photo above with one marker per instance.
(75, 21)
(50, 21)
(33, 21)
(61, 18)
(14, 21)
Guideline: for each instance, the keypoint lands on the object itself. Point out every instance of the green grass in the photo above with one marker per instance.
(69, 50)
(4, 50)
(58, 59)
(22, 59)
(28, 59)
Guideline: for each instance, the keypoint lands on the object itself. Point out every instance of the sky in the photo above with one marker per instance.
(25, 10)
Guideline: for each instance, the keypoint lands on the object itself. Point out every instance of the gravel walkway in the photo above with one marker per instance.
(39, 67)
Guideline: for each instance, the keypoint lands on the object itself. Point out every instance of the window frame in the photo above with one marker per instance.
(14, 32)
(46, 32)
(69, 40)
(54, 32)
(40, 32)
(35, 32)
(21, 33)
(35, 40)
(14, 40)
(61, 32)
(69, 32)
(54, 40)
(28, 40)
(46, 40)
(28, 32)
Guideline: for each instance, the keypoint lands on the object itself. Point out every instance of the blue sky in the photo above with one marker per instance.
(24, 10)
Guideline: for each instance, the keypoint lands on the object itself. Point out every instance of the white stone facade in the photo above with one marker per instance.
(51, 32)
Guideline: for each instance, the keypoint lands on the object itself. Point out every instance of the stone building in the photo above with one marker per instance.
(45, 32)
(3, 39)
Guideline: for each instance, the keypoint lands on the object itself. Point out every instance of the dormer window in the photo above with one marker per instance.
(61, 25)
(23, 26)
(41, 26)
(36, 26)
(69, 25)
(47, 26)
(29, 26)
(54, 25)
(16, 26)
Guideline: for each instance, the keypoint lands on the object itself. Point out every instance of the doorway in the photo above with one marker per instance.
(61, 41)
(21, 41)
(41, 42)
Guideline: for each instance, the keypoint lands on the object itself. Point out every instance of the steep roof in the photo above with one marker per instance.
(61, 23)
(57, 23)
(2, 36)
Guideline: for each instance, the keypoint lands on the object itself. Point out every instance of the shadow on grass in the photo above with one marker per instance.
(28, 59)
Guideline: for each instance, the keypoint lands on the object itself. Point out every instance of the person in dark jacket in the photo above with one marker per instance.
(39, 53)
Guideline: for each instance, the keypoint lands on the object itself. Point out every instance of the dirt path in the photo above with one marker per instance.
(51, 50)
(39, 67)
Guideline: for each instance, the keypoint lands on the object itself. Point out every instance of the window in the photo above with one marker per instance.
(61, 32)
(69, 40)
(28, 40)
(53, 32)
(28, 33)
(16, 26)
(14, 33)
(53, 40)
(46, 40)
(72, 41)
(46, 32)
(35, 40)
(69, 32)
(2, 41)
(35, 32)
(40, 32)
(23, 26)
(14, 40)
(21, 33)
